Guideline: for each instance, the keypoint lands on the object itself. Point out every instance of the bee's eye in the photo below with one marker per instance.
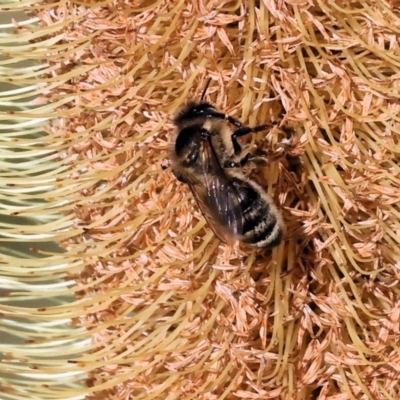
(185, 140)
(198, 111)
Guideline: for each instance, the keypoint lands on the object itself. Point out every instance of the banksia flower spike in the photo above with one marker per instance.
(113, 285)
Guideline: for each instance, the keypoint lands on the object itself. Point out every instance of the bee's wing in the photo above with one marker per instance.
(218, 198)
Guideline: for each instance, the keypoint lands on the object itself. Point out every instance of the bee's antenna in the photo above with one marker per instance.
(205, 89)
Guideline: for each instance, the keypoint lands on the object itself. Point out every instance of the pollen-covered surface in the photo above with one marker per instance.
(171, 312)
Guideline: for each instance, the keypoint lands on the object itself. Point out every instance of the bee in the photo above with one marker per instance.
(209, 159)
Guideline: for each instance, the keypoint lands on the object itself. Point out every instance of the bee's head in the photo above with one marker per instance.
(192, 111)
(187, 145)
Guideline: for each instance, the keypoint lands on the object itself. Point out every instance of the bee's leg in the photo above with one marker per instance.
(233, 121)
(242, 162)
(242, 131)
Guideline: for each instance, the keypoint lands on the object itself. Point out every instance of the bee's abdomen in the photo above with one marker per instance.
(264, 231)
(262, 225)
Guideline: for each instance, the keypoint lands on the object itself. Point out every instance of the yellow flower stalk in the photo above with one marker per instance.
(113, 286)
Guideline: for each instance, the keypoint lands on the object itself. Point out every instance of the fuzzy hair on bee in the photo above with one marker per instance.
(208, 158)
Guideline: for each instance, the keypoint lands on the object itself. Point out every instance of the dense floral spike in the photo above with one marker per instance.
(169, 312)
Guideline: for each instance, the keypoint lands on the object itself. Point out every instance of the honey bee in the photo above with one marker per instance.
(208, 158)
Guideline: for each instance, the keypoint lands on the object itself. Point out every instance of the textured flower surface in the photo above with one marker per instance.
(161, 309)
